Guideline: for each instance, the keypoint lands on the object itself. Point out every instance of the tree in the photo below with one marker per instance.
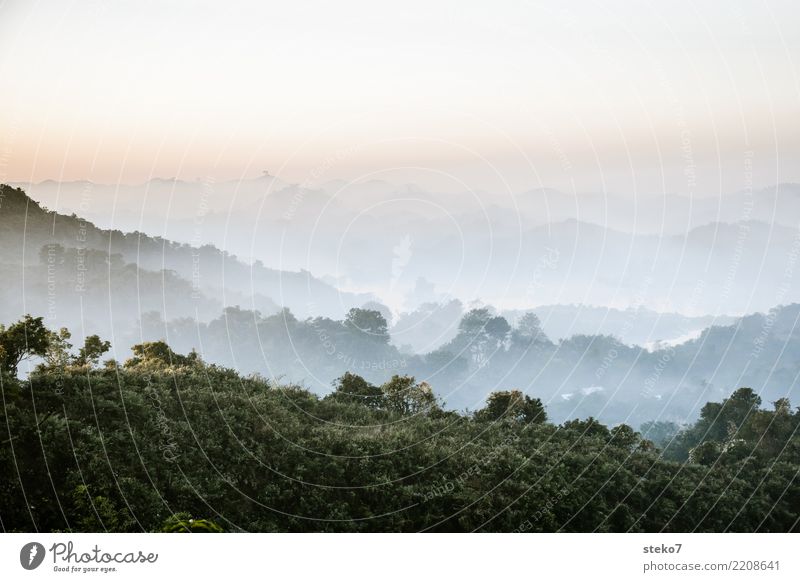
(368, 321)
(353, 388)
(57, 353)
(480, 332)
(706, 453)
(21, 340)
(716, 419)
(404, 396)
(268, 457)
(380, 308)
(98, 513)
(473, 324)
(587, 428)
(529, 329)
(741, 403)
(498, 329)
(782, 406)
(512, 405)
(624, 436)
(92, 350)
(159, 354)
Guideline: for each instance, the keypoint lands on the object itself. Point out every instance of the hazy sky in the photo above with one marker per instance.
(628, 96)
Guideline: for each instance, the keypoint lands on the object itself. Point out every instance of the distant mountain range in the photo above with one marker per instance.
(632, 364)
(81, 275)
(670, 253)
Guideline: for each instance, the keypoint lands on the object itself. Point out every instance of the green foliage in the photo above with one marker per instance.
(184, 523)
(167, 441)
(351, 388)
(368, 321)
(159, 355)
(512, 405)
(737, 429)
(58, 347)
(29, 337)
(403, 395)
(92, 350)
(98, 513)
(21, 340)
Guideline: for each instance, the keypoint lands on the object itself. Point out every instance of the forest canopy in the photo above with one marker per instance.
(167, 442)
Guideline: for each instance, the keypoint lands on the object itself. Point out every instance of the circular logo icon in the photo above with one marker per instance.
(31, 555)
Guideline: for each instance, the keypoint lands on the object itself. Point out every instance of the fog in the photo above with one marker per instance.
(596, 204)
(713, 255)
(637, 322)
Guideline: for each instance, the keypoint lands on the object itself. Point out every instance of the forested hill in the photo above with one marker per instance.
(26, 228)
(580, 376)
(166, 442)
(81, 277)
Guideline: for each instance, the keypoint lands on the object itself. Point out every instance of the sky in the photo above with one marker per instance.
(697, 98)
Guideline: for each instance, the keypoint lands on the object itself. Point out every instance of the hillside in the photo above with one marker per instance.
(75, 272)
(165, 438)
(82, 277)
